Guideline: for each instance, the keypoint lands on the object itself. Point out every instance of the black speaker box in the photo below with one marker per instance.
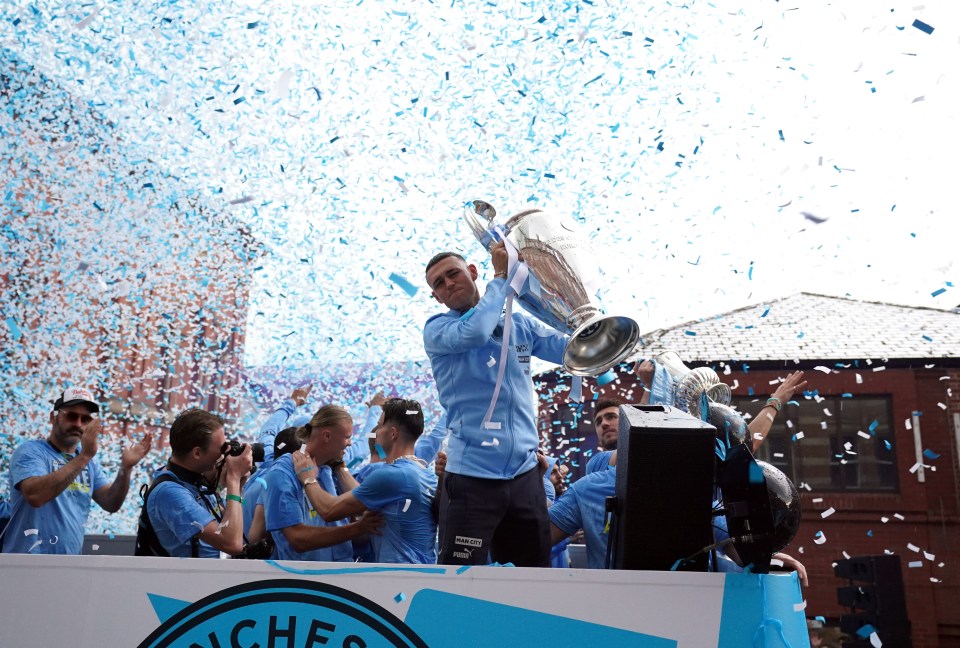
(665, 483)
(876, 591)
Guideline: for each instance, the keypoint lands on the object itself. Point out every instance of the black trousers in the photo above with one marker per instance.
(494, 520)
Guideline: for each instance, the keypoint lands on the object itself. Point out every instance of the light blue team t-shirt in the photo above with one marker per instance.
(285, 504)
(403, 491)
(268, 434)
(366, 470)
(362, 547)
(177, 513)
(599, 461)
(57, 526)
(252, 495)
(272, 426)
(584, 506)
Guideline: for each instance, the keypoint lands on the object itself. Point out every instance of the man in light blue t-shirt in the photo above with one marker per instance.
(402, 490)
(285, 442)
(583, 506)
(297, 529)
(52, 481)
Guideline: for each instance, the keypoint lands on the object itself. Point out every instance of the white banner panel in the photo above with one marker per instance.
(96, 601)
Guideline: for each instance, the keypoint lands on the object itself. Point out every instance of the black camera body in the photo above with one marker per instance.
(260, 550)
(235, 449)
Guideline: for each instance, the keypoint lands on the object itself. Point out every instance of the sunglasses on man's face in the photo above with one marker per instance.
(74, 417)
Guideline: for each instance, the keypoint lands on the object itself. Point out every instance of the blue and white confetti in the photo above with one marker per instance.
(208, 202)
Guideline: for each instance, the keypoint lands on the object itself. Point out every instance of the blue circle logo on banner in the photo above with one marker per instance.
(284, 612)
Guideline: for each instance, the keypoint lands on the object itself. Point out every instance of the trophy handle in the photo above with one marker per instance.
(481, 216)
(720, 393)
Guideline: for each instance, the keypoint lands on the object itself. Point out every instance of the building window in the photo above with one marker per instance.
(847, 443)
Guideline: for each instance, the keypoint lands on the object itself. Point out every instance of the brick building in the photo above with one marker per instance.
(115, 275)
(880, 439)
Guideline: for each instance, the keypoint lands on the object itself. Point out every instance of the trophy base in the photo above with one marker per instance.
(599, 344)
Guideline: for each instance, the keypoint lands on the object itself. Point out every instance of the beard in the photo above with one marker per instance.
(67, 433)
(610, 444)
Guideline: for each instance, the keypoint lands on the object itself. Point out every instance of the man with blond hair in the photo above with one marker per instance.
(298, 531)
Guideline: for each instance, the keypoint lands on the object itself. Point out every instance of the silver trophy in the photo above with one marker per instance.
(562, 285)
(692, 384)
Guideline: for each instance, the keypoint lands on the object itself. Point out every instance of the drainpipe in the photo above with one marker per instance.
(956, 432)
(918, 448)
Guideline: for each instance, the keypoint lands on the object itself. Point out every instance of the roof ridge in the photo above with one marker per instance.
(878, 303)
(802, 293)
(718, 315)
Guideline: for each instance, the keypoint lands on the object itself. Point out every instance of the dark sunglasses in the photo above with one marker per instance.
(73, 417)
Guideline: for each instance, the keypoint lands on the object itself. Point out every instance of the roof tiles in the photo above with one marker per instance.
(808, 326)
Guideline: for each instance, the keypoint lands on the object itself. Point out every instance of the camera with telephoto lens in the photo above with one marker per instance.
(234, 448)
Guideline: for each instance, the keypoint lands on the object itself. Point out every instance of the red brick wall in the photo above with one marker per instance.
(931, 510)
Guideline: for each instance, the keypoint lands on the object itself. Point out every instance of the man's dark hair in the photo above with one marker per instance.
(604, 403)
(286, 442)
(193, 429)
(406, 414)
(440, 257)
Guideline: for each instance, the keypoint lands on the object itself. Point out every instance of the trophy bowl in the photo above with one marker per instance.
(562, 285)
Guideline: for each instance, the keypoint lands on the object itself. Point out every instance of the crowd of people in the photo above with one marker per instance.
(475, 489)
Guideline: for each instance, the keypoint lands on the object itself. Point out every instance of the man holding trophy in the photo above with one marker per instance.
(492, 503)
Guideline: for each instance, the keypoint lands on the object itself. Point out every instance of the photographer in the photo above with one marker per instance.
(183, 514)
